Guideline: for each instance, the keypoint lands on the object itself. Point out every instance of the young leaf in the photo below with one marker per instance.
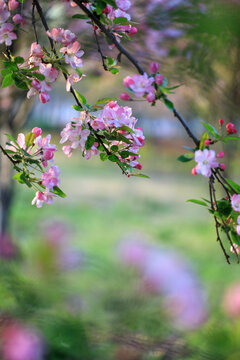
(140, 175)
(105, 100)
(198, 202)
(59, 192)
(113, 158)
(77, 108)
(186, 157)
(7, 80)
(205, 136)
(211, 129)
(80, 98)
(103, 156)
(234, 185)
(12, 139)
(90, 141)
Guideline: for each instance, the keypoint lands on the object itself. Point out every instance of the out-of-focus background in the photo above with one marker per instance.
(125, 268)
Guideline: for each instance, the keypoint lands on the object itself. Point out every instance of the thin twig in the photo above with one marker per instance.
(9, 157)
(103, 57)
(217, 223)
(34, 22)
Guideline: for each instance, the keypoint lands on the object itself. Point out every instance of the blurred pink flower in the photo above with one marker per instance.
(231, 300)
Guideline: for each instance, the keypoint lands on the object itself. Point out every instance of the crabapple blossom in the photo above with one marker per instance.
(18, 19)
(12, 5)
(41, 198)
(139, 84)
(37, 131)
(20, 141)
(231, 128)
(153, 67)
(44, 97)
(124, 5)
(50, 177)
(73, 54)
(235, 201)
(73, 78)
(206, 160)
(4, 13)
(6, 34)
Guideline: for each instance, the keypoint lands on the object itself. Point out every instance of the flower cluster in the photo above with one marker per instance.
(7, 35)
(114, 124)
(36, 153)
(45, 71)
(145, 85)
(117, 19)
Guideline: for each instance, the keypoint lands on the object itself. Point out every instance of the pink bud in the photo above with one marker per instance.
(159, 79)
(36, 84)
(18, 19)
(138, 166)
(153, 67)
(223, 166)
(150, 97)
(194, 171)
(37, 131)
(207, 142)
(44, 97)
(220, 154)
(128, 81)
(124, 96)
(133, 31)
(12, 5)
(221, 122)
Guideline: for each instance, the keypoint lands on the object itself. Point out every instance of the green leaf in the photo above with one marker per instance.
(20, 83)
(114, 148)
(5, 72)
(140, 175)
(29, 139)
(224, 208)
(80, 98)
(38, 76)
(124, 154)
(126, 128)
(89, 142)
(234, 185)
(18, 177)
(78, 71)
(77, 108)
(10, 65)
(121, 20)
(169, 104)
(59, 192)
(110, 61)
(12, 139)
(205, 136)
(7, 80)
(211, 129)
(230, 138)
(80, 16)
(114, 71)
(198, 202)
(105, 100)
(186, 157)
(113, 158)
(103, 156)
(19, 60)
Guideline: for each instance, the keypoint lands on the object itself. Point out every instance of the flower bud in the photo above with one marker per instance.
(44, 97)
(194, 171)
(207, 142)
(150, 97)
(18, 19)
(221, 122)
(124, 96)
(223, 167)
(133, 31)
(12, 5)
(138, 166)
(37, 131)
(153, 68)
(159, 79)
(220, 155)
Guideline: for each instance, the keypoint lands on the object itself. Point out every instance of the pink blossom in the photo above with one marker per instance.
(238, 232)
(13, 4)
(49, 72)
(98, 124)
(47, 148)
(37, 131)
(90, 152)
(67, 150)
(123, 4)
(20, 343)
(153, 68)
(4, 13)
(6, 34)
(41, 198)
(20, 141)
(18, 19)
(73, 54)
(133, 31)
(138, 137)
(36, 50)
(140, 84)
(72, 79)
(207, 142)
(206, 160)
(231, 128)
(65, 37)
(124, 96)
(150, 97)
(50, 177)
(159, 79)
(220, 154)
(235, 201)
(235, 248)
(44, 97)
